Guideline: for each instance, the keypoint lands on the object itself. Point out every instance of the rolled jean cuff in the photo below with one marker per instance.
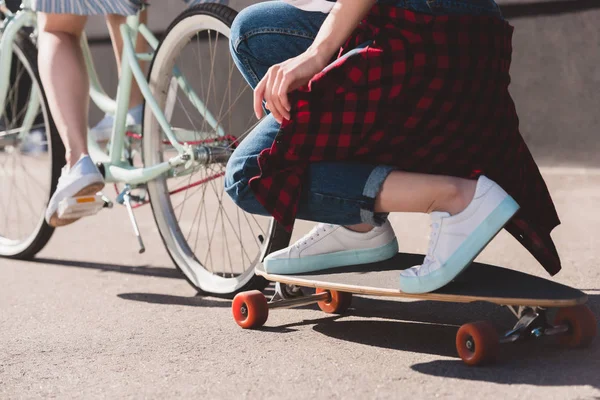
(370, 192)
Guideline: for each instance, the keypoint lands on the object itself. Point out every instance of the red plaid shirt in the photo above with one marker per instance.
(429, 95)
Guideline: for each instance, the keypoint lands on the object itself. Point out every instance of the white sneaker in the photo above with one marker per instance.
(456, 240)
(103, 129)
(83, 179)
(330, 246)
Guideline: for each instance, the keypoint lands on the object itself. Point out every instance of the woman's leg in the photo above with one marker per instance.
(336, 193)
(64, 76)
(344, 193)
(102, 131)
(114, 22)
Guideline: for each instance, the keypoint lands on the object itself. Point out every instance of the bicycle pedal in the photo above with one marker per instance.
(82, 206)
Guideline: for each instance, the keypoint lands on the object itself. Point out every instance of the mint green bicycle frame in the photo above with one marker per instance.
(116, 168)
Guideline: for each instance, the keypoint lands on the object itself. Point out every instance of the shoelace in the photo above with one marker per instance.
(314, 233)
(435, 228)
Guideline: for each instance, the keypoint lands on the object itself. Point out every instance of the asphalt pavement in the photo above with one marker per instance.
(90, 318)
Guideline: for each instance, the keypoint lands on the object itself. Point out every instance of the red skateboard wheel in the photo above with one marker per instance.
(477, 343)
(250, 309)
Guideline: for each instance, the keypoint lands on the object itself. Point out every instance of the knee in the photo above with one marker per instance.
(255, 16)
(65, 24)
(233, 172)
(239, 27)
(236, 181)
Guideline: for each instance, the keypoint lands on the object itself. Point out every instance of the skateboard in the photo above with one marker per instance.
(528, 297)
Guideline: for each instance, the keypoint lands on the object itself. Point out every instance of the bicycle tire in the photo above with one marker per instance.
(276, 237)
(25, 52)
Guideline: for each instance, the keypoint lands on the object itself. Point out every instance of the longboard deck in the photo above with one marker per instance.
(479, 282)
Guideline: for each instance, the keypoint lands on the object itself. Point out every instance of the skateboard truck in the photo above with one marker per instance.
(299, 301)
(125, 197)
(532, 323)
(286, 292)
(82, 206)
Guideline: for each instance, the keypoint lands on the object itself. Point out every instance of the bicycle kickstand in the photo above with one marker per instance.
(125, 198)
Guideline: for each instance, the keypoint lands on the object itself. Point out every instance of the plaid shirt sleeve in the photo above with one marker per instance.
(429, 95)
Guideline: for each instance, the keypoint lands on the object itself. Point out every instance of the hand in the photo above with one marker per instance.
(280, 80)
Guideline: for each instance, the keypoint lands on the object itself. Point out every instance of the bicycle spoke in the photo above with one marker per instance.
(222, 213)
(212, 232)
(219, 118)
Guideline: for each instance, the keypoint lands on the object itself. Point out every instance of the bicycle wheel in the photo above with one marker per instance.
(30, 161)
(213, 242)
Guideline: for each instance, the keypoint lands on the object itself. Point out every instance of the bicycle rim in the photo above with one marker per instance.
(27, 172)
(210, 239)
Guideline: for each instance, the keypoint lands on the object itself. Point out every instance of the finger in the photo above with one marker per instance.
(282, 94)
(259, 93)
(269, 95)
(275, 100)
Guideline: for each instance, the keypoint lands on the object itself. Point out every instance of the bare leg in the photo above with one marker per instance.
(114, 22)
(412, 192)
(64, 76)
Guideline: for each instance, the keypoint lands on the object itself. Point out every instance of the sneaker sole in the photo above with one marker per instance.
(92, 189)
(346, 258)
(462, 258)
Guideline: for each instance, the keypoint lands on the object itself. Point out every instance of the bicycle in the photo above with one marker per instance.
(183, 144)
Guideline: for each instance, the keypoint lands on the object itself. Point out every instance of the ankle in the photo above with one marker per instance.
(457, 195)
(73, 156)
(464, 193)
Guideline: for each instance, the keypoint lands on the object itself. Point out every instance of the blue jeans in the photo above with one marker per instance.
(342, 193)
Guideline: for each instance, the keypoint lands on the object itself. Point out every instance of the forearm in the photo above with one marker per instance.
(339, 24)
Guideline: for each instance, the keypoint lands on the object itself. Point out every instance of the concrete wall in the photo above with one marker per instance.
(555, 72)
(556, 78)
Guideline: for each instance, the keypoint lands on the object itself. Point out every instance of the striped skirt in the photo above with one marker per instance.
(87, 7)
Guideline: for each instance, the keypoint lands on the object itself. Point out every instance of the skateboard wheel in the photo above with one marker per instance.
(477, 343)
(250, 309)
(338, 301)
(582, 326)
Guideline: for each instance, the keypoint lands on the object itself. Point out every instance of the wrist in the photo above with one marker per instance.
(321, 53)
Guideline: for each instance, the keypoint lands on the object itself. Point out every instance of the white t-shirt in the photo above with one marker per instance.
(312, 5)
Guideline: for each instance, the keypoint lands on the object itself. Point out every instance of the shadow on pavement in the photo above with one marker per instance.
(539, 365)
(194, 301)
(394, 335)
(286, 328)
(430, 328)
(198, 300)
(430, 312)
(123, 269)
